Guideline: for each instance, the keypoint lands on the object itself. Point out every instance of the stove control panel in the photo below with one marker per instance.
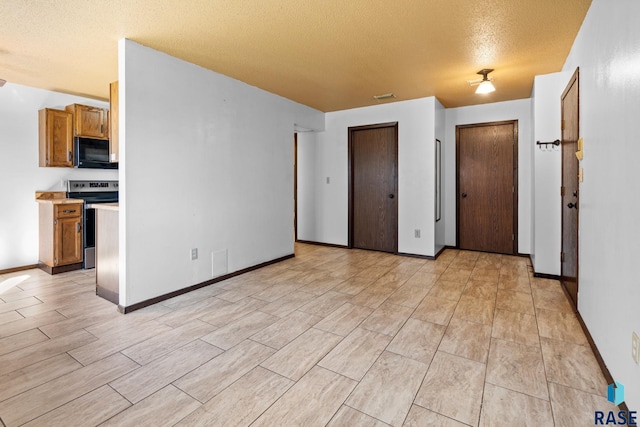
(91, 186)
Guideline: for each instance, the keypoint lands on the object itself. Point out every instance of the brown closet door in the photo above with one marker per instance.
(373, 197)
(487, 187)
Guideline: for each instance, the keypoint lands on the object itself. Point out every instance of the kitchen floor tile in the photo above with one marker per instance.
(453, 387)
(388, 389)
(285, 330)
(501, 406)
(321, 392)
(467, 339)
(515, 327)
(417, 340)
(435, 310)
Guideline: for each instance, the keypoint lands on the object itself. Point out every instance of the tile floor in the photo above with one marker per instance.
(331, 337)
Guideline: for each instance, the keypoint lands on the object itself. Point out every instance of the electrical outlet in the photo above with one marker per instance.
(635, 347)
(416, 233)
(194, 254)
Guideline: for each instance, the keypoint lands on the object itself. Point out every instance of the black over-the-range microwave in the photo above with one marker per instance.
(92, 153)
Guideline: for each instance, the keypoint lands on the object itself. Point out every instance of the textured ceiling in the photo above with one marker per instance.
(328, 54)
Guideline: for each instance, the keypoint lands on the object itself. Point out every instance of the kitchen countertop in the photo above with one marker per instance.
(60, 201)
(104, 206)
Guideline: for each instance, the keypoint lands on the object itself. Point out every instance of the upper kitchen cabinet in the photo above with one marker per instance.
(114, 155)
(89, 122)
(55, 138)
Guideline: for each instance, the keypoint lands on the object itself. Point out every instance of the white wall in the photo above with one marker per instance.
(607, 50)
(441, 225)
(20, 176)
(416, 179)
(509, 110)
(547, 91)
(308, 180)
(207, 163)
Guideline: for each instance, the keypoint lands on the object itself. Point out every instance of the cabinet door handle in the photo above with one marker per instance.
(68, 211)
(79, 227)
(69, 156)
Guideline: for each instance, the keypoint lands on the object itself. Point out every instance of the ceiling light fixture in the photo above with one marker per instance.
(384, 96)
(484, 85)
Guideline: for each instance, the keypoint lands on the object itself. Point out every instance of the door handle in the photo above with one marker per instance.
(572, 205)
(391, 196)
(464, 195)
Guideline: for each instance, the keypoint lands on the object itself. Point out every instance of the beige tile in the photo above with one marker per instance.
(354, 285)
(435, 267)
(192, 297)
(387, 319)
(229, 313)
(214, 376)
(374, 272)
(166, 407)
(242, 402)
(300, 355)
(519, 302)
(515, 327)
(322, 285)
(453, 274)
(326, 303)
(320, 392)
(423, 279)
(241, 291)
(46, 397)
(417, 340)
(462, 264)
(43, 350)
(573, 366)
(275, 292)
(387, 390)
(10, 317)
(409, 295)
(373, 296)
(435, 310)
(453, 387)
(288, 303)
(467, 339)
(551, 300)
(546, 284)
(349, 417)
(561, 326)
(24, 324)
(21, 340)
(576, 408)
(93, 408)
(476, 310)
(356, 353)
(34, 375)
(420, 417)
(124, 324)
(237, 331)
(150, 378)
(480, 289)
(211, 307)
(505, 407)
(18, 304)
(112, 343)
(345, 319)
(517, 367)
(286, 329)
(485, 274)
(515, 283)
(447, 290)
(68, 326)
(166, 342)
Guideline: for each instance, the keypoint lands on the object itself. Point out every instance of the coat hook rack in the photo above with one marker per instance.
(546, 146)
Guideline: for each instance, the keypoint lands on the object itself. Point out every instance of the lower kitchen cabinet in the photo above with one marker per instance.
(60, 235)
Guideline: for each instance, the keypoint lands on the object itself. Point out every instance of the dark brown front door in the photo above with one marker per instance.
(487, 187)
(570, 189)
(373, 195)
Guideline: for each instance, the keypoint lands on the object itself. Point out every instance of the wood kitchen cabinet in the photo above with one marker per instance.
(114, 155)
(55, 138)
(89, 122)
(60, 235)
